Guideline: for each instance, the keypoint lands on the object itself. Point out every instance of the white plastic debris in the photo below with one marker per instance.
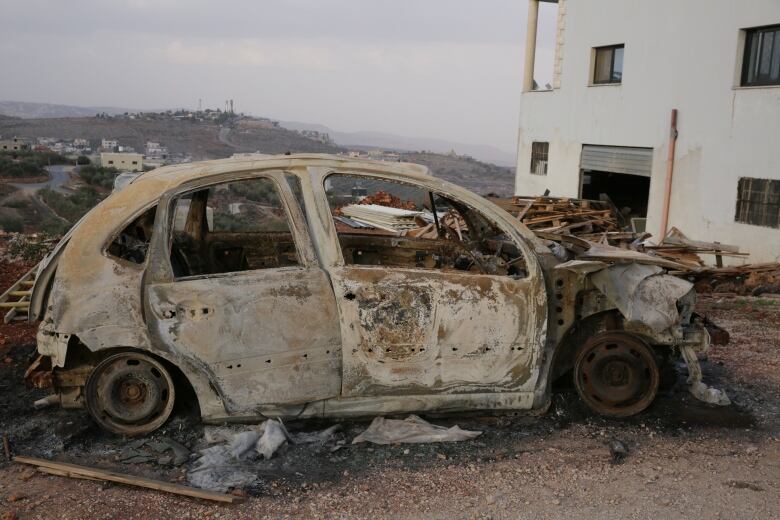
(242, 442)
(320, 436)
(410, 430)
(274, 436)
(708, 394)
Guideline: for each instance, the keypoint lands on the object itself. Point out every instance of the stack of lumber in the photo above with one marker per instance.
(383, 198)
(562, 215)
(382, 217)
(683, 250)
(593, 220)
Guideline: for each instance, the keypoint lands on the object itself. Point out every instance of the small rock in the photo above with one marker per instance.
(556, 502)
(15, 497)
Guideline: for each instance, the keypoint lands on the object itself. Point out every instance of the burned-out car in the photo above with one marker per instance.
(316, 285)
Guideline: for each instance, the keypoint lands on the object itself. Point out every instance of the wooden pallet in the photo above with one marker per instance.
(15, 302)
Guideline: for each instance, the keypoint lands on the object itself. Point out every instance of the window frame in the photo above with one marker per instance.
(604, 48)
(750, 34)
(512, 234)
(743, 204)
(302, 248)
(118, 230)
(535, 159)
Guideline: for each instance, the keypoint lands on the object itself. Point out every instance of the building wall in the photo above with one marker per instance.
(684, 55)
(122, 161)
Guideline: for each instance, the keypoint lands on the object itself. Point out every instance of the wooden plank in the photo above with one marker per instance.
(129, 480)
(62, 473)
(12, 305)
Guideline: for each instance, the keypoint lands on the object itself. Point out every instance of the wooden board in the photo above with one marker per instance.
(75, 470)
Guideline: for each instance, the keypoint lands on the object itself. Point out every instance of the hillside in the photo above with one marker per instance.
(204, 140)
(480, 177)
(201, 140)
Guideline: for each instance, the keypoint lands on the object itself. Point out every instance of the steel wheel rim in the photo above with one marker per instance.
(616, 374)
(130, 394)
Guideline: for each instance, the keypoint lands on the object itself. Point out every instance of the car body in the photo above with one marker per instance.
(161, 287)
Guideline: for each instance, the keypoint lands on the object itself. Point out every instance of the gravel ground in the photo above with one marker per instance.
(685, 459)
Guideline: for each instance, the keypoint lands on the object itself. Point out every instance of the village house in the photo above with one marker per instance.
(671, 109)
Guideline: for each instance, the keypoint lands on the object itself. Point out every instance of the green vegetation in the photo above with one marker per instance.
(72, 207)
(11, 223)
(98, 175)
(22, 164)
(82, 160)
(29, 248)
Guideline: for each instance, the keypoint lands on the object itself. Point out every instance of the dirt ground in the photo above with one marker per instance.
(685, 460)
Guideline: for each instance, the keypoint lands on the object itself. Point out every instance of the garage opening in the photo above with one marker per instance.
(619, 174)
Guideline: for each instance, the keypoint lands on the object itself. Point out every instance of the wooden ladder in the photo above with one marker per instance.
(15, 302)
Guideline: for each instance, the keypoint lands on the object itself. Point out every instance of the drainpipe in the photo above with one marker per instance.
(669, 174)
(530, 45)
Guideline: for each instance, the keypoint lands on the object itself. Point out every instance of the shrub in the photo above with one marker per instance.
(83, 159)
(11, 223)
(98, 175)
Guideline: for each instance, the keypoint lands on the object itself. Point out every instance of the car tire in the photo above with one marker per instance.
(130, 394)
(616, 374)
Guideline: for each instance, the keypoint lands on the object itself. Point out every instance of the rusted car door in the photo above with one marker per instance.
(267, 331)
(417, 331)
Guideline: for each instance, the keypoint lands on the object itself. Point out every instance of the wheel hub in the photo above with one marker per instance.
(130, 394)
(616, 374)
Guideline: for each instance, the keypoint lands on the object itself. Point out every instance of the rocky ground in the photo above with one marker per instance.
(685, 459)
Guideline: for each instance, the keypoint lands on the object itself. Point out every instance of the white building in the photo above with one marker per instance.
(109, 144)
(620, 67)
(129, 162)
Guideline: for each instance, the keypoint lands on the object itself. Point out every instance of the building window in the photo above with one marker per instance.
(135, 162)
(539, 152)
(758, 202)
(110, 162)
(761, 62)
(609, 65)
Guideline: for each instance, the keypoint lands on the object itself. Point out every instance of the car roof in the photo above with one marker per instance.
(145, 191)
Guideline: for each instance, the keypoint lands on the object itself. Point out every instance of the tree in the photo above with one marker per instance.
(83, 159)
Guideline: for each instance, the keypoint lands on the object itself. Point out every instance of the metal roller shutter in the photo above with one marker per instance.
(617, 159)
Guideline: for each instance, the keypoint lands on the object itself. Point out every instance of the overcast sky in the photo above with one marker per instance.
(450, 69)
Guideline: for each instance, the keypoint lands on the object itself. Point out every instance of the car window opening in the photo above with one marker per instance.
(393, 224)
(132, 243)
(231, 227)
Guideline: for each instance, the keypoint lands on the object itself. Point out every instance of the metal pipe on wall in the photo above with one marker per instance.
(530, 45)
(669, 174)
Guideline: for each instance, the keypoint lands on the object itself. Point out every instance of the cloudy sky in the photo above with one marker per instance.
(449, 69)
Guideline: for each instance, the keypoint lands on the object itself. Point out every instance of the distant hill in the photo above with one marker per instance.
(403, 143)
(214, 141)
(27, 110)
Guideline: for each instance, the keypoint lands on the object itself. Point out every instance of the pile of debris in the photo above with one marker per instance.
(381, 217)
(594, 220)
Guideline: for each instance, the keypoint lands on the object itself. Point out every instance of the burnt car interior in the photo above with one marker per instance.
(132, 243)
(420, 229)
(234, 226)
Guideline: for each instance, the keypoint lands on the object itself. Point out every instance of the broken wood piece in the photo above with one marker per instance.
(6, 447)
(63, 473)
(130, 480)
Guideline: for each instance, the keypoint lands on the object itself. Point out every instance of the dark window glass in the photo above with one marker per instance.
(761, 62)
(758, 202)
(609, 64)
(539, 152)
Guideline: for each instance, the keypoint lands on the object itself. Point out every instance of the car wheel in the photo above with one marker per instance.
(616, 374)
(130, 394)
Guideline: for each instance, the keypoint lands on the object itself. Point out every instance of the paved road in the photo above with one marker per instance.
(58, 178)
